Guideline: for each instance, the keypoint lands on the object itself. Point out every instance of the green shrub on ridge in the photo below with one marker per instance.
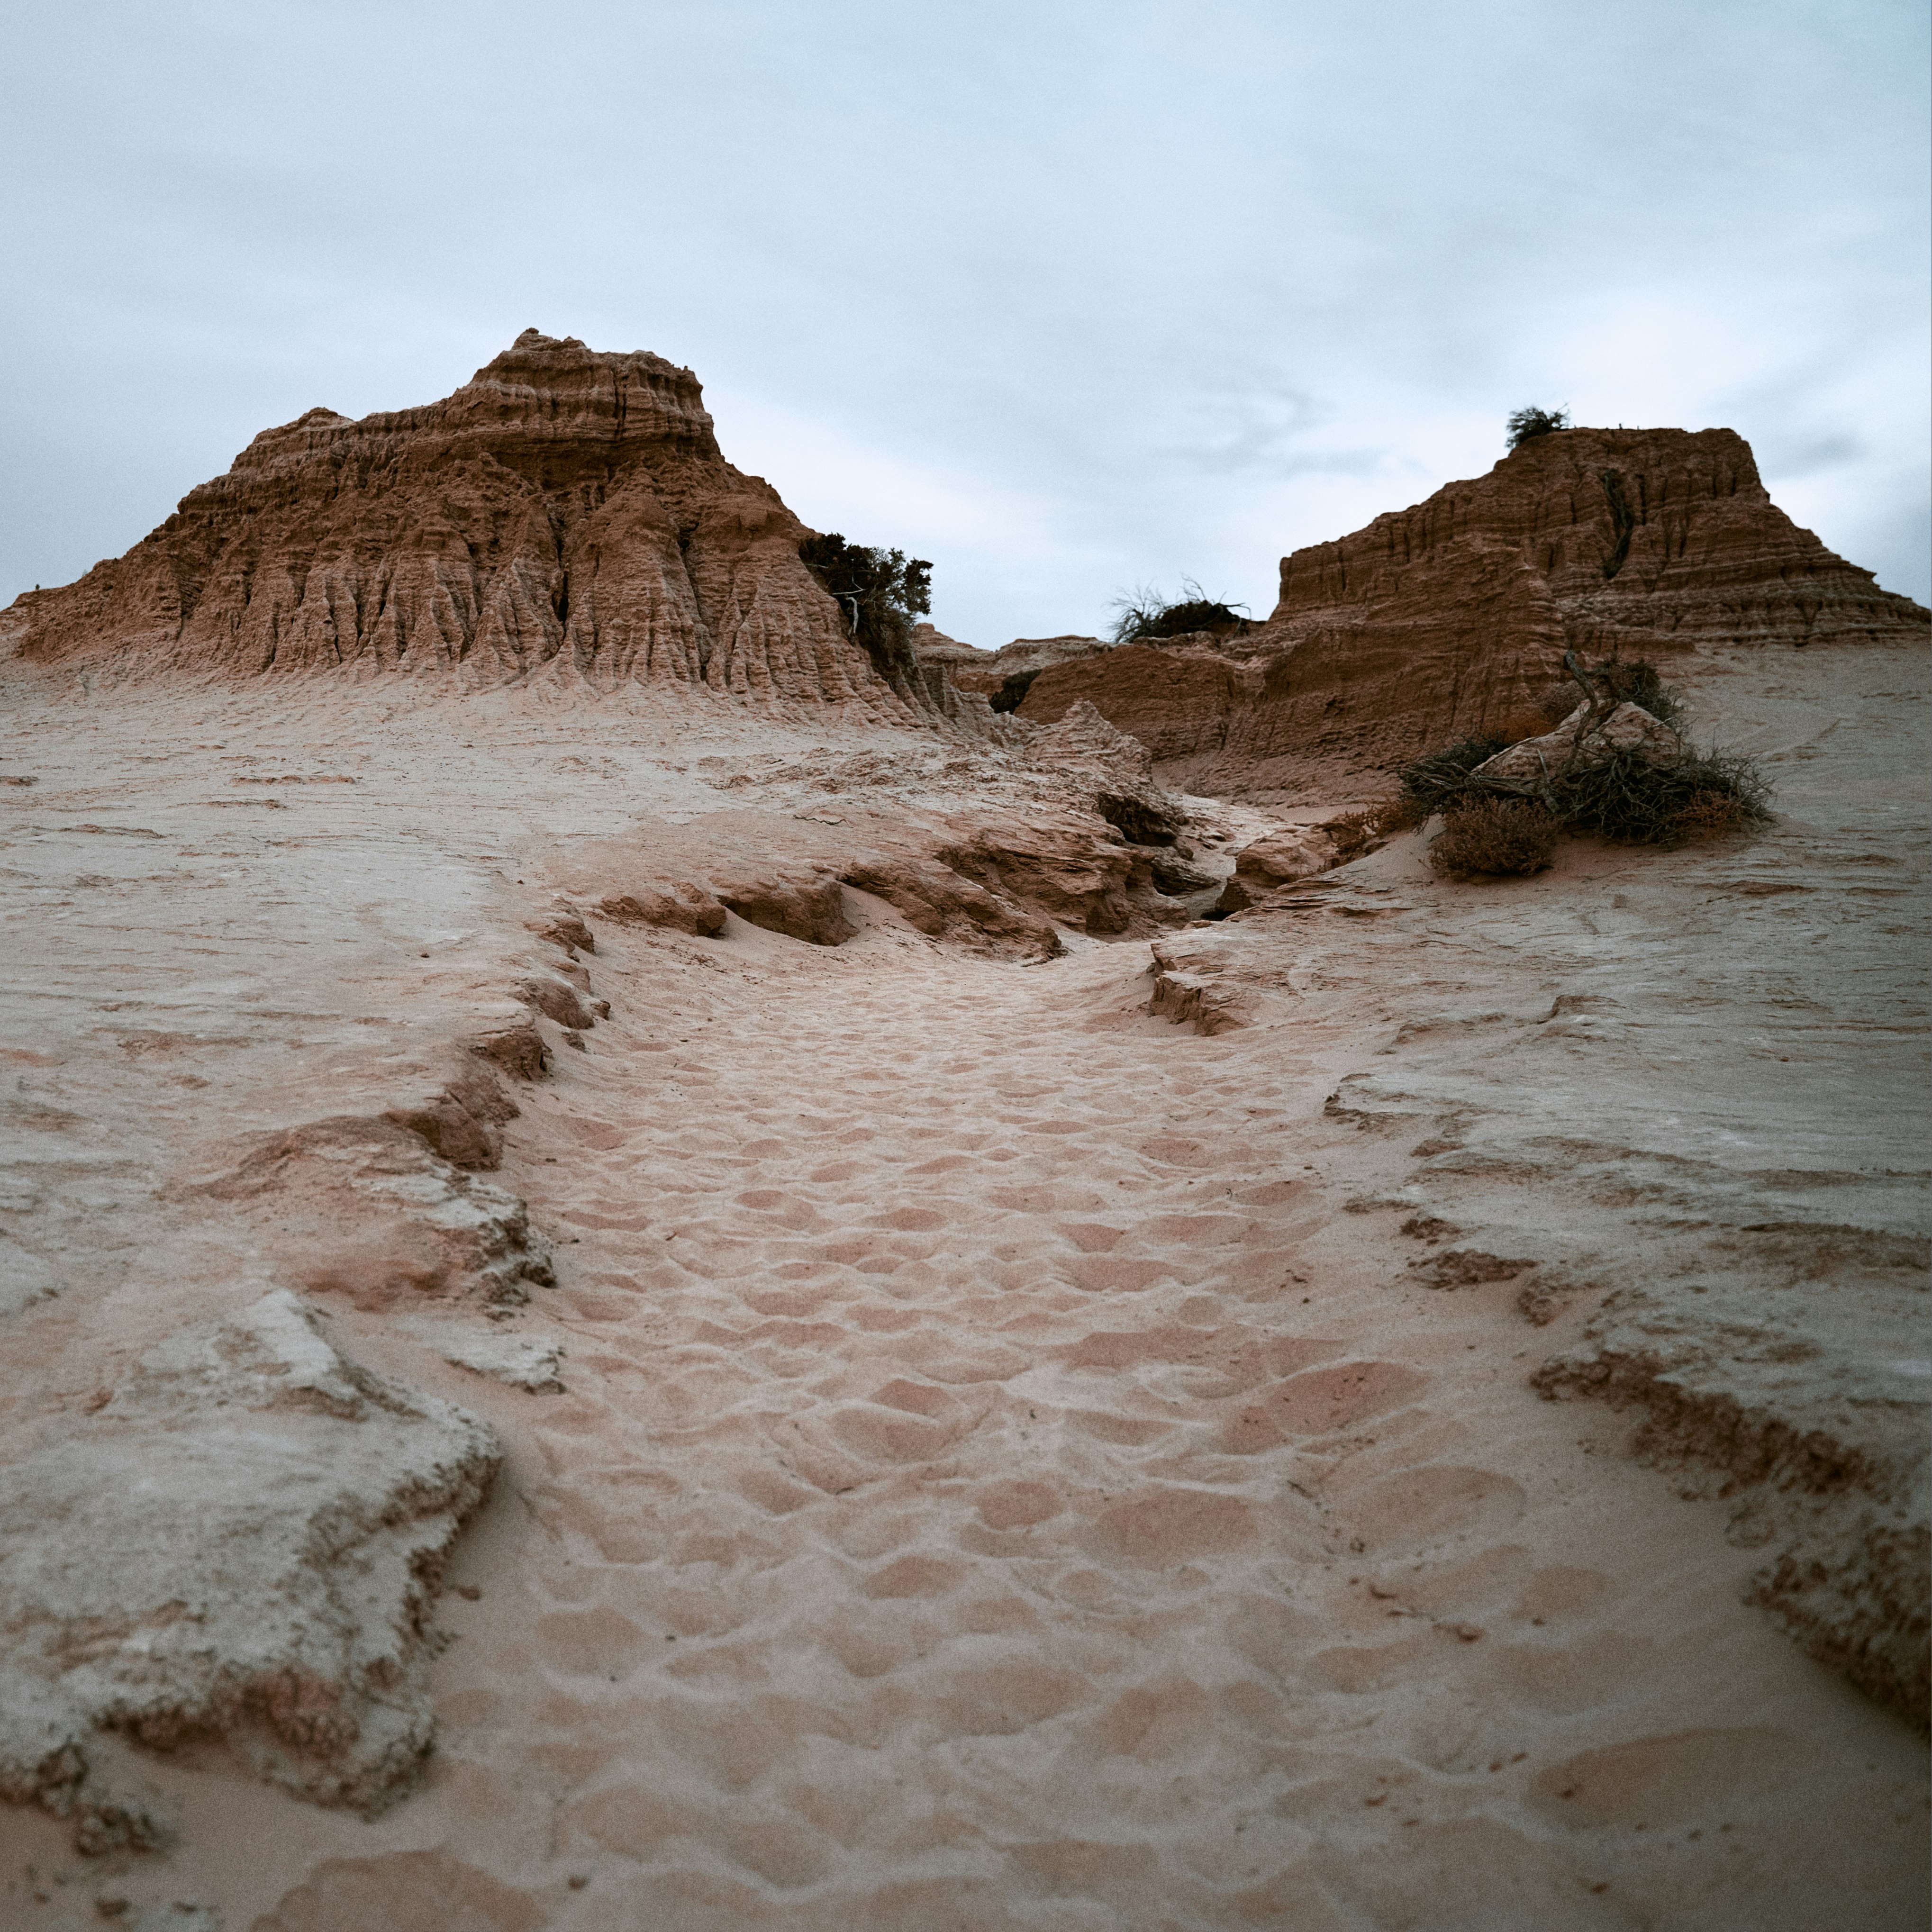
(879, 591)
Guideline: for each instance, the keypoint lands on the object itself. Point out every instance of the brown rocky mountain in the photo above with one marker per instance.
(1440, 619)
(566, 512)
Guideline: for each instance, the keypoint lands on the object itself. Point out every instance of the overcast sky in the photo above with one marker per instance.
(1067, 297)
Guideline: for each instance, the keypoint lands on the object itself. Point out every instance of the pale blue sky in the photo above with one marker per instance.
(1065, 297)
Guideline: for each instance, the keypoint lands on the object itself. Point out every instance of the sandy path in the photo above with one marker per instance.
(998, 1485)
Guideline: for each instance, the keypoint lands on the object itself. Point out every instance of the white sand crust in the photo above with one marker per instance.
(531, 1362)
(240, 1539)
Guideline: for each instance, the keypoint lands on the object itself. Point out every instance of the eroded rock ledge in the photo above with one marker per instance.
(240, 1539)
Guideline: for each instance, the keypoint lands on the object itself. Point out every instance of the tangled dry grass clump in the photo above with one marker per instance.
(1437, 779)
(1633, 682)
(1145, 617)
(1357, 833)
(1712, 814)
(1499, 823)
(1495, 837)
(1702, 795)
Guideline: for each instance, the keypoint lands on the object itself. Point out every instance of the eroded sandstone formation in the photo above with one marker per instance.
(566, 512)
(1073, 835)
(1440, 619)
(986, 671)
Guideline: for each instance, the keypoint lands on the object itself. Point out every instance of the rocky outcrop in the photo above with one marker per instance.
(964, 663)
(363, 1209)
(1111, 771)
(1178, 699)
(1072, 832)
(243, 1539)
(567, 512)
(1583, 741)
(985, 671)
(1442, 619)
(1298, 852)
(1850, 1582)
(801, 902)
(680, 907)
(1186, 994)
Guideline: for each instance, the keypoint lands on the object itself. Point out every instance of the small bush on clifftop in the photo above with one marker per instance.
(1146, 617)
(1524, 424)
(880, 591)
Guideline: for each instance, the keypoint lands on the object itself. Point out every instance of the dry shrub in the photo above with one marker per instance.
(1494, 825)
(1146, 615)
(1710, 815)
(1620, 681)
(1356, 832)
(1400, 815)
(1404, 815)
(1504, 837)
(1629, 799)
(1433, 780)
(1632, 681)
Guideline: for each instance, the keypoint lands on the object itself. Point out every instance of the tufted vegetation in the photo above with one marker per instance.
(1146, 617)
(879, 591)
(1635, 799)
(1524, 424)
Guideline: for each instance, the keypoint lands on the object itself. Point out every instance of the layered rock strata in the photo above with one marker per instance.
(566, 512)
(985, 671)
(1442, 619)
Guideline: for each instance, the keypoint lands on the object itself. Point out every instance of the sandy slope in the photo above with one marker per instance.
(1008, 1472)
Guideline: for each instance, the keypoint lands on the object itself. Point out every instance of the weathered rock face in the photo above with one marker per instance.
(1178, 702)
(1641, 540)
(964, 664)
(985, 671)
(1439, 620)
(248, 1530)
(1277, 860)
(566, 512)
(363, 1209)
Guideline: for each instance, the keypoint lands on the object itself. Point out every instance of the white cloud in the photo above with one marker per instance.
(1067, 298)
